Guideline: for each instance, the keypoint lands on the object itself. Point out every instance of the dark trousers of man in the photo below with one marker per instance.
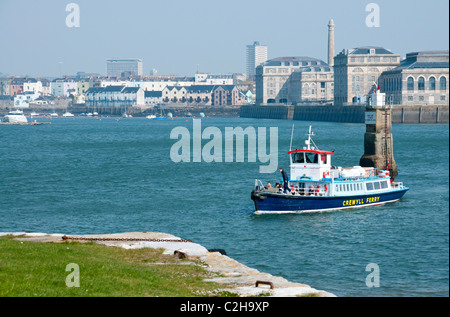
(286, 186)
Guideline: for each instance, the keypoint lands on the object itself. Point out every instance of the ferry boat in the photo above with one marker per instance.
(15, 116)
(315, 185)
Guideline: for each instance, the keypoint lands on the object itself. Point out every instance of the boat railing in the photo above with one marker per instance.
(259, 185)
(397, 185)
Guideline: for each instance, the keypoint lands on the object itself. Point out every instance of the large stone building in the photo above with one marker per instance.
(311, 84)
(356, 71)
(292, 80)
(421, 78)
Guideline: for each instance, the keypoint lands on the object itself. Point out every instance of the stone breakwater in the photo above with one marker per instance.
(347, 114)
(231, 275)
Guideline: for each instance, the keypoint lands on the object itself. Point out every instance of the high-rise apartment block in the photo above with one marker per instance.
(256, 55)
(118, 67)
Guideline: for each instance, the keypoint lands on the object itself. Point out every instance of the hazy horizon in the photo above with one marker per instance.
(179, 37)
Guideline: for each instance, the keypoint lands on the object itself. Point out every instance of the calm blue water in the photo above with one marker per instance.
(85, 175)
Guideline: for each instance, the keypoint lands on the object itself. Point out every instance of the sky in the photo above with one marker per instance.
(179, 37)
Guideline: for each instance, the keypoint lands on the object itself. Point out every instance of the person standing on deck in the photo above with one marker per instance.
(285, 180)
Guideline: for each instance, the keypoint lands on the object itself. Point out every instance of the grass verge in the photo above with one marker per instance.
(35, 269)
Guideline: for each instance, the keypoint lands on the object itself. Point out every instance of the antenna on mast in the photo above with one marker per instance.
(292, 135)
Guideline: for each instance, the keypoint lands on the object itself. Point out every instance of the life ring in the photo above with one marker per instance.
(326, 188)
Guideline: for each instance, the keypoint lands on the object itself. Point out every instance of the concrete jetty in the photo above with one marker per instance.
(232, 275)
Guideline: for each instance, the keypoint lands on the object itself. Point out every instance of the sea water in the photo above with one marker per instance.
(105, 175)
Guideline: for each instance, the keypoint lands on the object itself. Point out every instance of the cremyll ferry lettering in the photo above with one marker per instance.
(212, 150)
(353, 202)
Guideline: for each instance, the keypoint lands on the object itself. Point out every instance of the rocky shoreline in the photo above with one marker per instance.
(231, 275)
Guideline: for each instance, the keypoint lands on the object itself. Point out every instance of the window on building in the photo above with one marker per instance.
(421, 85)
(443, 83)
(410, 85)
(432, 83)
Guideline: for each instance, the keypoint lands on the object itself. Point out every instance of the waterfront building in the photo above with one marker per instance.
(311, 84)
(82, 86)
(5, 86)
(16, 86)
(32, 85)
(200, 94)
(226, 95)
(117, 67)
(274, 83)
(46, 87)
(115, 96)
(356, 71)
(256, 55)
(209, 79)
(23, 99)
(151, 84)
(63, 87)
(152, 97)
(174, 94)
(420, 79)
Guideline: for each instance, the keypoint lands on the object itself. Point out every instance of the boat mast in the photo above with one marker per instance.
(292, 135)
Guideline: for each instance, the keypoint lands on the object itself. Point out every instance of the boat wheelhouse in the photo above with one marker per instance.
(316, 185)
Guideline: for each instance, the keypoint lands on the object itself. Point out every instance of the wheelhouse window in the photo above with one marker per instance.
(299, 158)
(376, 185)
(369, 186)
(384, 184)
(311, 157)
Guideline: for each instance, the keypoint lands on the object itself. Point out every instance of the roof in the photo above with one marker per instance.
(423, 60)
(200, 88)
(130, 89)
(294, 61)
(155, 93)
(113, 88)
(175, 87)
(317, 69)
(312, 151)
(225, 87)
(366, 50)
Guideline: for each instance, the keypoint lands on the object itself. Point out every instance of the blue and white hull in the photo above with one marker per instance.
(316, 185)
(266, 202)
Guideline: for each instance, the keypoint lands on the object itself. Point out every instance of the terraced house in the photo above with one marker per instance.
(115, 96)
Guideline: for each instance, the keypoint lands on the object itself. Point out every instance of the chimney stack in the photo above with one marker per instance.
(331, 43)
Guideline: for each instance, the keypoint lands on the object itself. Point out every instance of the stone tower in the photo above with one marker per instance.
(331, 43)
(378, 143)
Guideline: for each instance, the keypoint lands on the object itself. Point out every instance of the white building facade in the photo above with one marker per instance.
(356, 71)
